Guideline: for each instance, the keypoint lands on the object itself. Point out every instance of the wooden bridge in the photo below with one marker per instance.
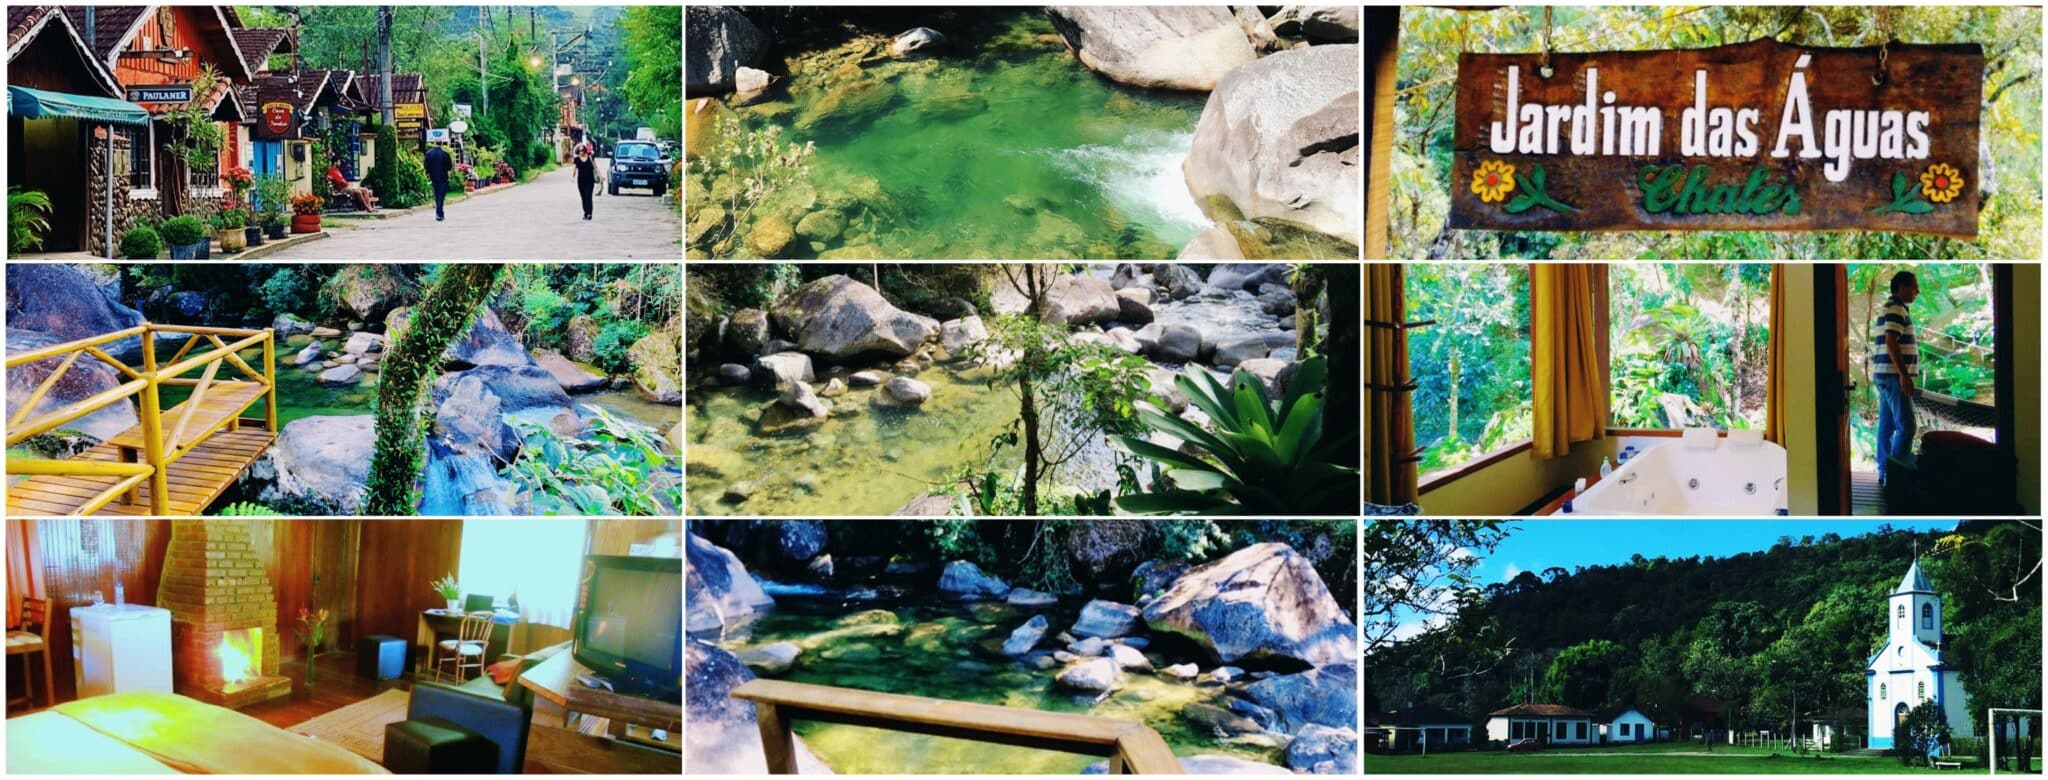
(144, 470)
(1132, 748)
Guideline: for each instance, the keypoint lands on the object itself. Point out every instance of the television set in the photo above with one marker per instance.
(629, 623)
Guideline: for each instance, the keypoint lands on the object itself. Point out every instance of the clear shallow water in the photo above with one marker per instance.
(1002, 147)
(953, 651)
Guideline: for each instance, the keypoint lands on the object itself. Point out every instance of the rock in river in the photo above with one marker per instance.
(838, 317)
(772, 660)
(1080, 300)
(904, 391)
(782, 369)
(724, 737)
(965, 580)
(1325, 695)
(1279, 140)
(959, 334)
(1134, 305)
(1160, 47)
(1026, 636)
(1262, 602)
(718, 41)
(340, 376)
(1106, 619)
(721, 594)
(916, 40)
(1099, 675)
(1324, 750)
(746, 332)
(320, 464)
(1030, 599)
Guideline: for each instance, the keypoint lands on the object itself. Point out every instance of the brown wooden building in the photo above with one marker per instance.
(63, 104)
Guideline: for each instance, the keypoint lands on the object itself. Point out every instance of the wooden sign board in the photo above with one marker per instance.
(1752, 136)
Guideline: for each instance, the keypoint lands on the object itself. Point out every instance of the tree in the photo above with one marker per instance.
(1924, 731)
(1420, 571)
(443, 315)
(1583, 675)
(654, 53)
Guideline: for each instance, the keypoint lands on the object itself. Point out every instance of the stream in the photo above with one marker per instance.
(878, 459)
(949, 650)
(1000, 147)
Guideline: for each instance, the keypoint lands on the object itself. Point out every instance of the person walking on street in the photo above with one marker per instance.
(1894, 362)
(586, 173)
(438, 165)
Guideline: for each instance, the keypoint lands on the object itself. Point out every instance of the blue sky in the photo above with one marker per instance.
(1536, 545)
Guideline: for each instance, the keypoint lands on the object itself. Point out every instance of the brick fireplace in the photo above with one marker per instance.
(224, 640)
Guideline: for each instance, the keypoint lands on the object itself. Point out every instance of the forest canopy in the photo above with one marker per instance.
(1431, 40)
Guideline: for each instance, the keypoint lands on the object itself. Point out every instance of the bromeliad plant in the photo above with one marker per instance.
(1259, 457)
(312, 633)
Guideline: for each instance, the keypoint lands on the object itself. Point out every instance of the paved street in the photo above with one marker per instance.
(539, 220)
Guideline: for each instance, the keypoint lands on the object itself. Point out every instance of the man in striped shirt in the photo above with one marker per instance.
(1894, 362)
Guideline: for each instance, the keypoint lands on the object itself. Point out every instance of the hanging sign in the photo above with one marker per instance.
(1753, 136)
(159, 93)
(277, 120)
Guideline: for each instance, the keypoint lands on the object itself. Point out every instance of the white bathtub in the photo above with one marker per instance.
(1726, 479)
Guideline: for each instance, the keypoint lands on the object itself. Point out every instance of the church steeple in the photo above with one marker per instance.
(1914, 609)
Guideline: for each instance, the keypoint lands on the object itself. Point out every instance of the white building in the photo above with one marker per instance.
(1909, 670)
(1625, 725)
(1555, 724)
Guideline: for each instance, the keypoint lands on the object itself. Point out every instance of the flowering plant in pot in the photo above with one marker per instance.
(306, 213)
(448, 589)
(312, 632)
(468, 174)
(504, 172)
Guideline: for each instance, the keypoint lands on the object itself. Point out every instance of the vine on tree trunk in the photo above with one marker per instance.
(442, 316)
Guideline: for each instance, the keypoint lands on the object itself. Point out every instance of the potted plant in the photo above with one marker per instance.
(504, 172)
(228, 224)
(468, 174)
(449, 590)
(141, 243)
(273, 195)
(306, 213)
(186, 234)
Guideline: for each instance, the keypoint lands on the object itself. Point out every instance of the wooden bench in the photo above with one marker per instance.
(1947, 764)
(1131, 747)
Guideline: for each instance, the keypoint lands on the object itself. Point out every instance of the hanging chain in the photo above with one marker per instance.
(1884, 46)
(1543, 65)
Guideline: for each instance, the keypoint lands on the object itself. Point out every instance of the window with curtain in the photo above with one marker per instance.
(538, 560)
(1471, 368)
(1688, 344)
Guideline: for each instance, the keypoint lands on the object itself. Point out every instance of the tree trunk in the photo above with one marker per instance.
(1034, 452)
(441, 317)
(384, 64)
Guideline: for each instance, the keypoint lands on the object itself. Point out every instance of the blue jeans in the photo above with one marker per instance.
(1894, 423)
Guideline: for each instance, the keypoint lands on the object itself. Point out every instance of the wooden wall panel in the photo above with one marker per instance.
(83, 557)
(312, 565)
(397, 559)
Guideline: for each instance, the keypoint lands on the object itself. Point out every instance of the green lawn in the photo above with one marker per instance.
(1659, 759)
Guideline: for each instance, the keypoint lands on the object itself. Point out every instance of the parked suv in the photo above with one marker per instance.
(638, 164)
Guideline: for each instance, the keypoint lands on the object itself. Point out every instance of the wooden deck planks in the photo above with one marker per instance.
(196, 479)
(223, 402)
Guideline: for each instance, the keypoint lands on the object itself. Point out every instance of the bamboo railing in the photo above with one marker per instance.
(1132, 748)
(157, 450)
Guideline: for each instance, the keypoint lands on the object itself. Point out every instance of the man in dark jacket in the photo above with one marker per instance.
(438, 165)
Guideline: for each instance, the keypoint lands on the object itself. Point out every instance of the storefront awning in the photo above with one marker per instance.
(38, 104)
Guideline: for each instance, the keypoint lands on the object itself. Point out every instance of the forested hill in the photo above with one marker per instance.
(1749, 630)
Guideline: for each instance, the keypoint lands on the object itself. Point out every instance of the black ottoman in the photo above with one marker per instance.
(437, 746)
(380, 657)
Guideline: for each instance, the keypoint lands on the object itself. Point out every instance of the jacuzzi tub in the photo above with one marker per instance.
(1699, 475)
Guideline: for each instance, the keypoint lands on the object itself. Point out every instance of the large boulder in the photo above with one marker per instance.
(1324, 750)
(1264, 602)
(1134, 305)
(1280, 141)
(658, 364)
(782, 369)
(1080, 300)
(904, 391)
(724, 738)
(1026, 636)
(840, 318)
(956, 335)
(746, 332)
(1178, 343)
(964, 580)
(1106, 619)
(916, 41)
(1159, 47)
(370, 292)
(66, 304)
(1177, 281)
(487, 342)
(1232, 277)
(340, 376)
(721, 594)
(1319, 23)
(573, 377)
(1098, 675)
(717, 42)
(319, 465)
(86, 378)
(528, 389)
(1325, 696)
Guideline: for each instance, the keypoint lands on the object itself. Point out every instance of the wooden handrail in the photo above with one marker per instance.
(44, 353)
(1132, 748)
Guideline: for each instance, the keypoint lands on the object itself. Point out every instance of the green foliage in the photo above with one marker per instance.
(28, 218)
(273, 196)
(285, 291)
(1426, 569)
(412, 187)
(1689, 345)
(443, 315)
(247, 509)
(382, 178)
(141, 243)
(1425, 104)
(181, 230)
(196, 137)
(654, 54)
(1580, 675)
(1471, 367)
(1923, 732)
(609, 350)
(744, 170)
(1259, 457)
(617, 469)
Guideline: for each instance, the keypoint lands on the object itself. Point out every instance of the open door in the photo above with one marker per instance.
(1831, 370)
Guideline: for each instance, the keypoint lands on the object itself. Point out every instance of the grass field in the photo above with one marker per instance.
(1660, 759)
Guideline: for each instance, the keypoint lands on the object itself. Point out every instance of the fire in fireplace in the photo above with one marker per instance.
(224, 645)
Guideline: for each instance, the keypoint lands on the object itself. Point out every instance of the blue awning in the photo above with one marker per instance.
(38, 104)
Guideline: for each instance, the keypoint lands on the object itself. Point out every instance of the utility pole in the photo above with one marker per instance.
(384, 66)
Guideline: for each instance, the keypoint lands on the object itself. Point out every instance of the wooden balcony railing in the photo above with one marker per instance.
(1132, 748)
(146, 452)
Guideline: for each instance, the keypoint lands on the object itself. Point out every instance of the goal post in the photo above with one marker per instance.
(2018, 727)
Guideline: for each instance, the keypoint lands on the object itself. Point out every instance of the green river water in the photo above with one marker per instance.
(952, 651)
(1001, 147)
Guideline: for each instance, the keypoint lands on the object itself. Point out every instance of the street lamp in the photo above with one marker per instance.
(533, 61)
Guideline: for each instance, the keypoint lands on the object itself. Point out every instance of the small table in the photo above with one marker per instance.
(436, 623)
(553, 681)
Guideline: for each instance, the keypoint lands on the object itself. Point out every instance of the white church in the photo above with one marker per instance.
(1909, 670)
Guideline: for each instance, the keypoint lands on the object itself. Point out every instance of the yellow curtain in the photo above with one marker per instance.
(1389, 424)
(1774, 380)
(1568, 354)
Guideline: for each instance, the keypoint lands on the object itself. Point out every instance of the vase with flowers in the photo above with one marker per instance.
(312, 632)
(449, 590)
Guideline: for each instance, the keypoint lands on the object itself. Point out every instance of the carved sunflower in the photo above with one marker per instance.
(1941, 182)
(1493, 181)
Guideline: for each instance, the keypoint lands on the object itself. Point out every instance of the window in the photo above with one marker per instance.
(1688, 344)
(134, 155)
(540, 561)
(1922, 691)
(1952, 321)
(1582, 729)
(1883, 692)
(1927, 616)
(1471, 368)
(204, 177)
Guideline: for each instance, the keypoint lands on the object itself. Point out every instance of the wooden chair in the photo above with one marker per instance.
(31, 639)
(466, 650)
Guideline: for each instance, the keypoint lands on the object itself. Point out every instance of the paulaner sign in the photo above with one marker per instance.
(1754, 136)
